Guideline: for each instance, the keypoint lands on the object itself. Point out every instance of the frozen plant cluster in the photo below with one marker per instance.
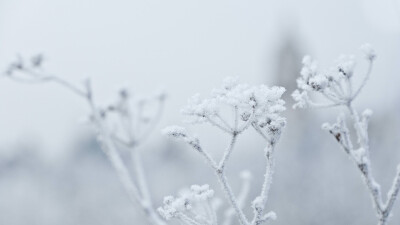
(257, 107)
(121, 127)
(233, 109)
(336, 86)
(191, 207)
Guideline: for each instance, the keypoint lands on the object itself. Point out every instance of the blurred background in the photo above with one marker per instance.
(52, 170)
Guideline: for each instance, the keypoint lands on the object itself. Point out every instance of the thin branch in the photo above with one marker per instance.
(231, 197)
(366, 77)
(212, 122)
(260, 202)
(227, 152)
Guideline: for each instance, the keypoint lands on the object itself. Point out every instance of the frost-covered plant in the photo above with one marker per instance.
(336, 86)
(124, 124)
(197, 202)
(257, 107)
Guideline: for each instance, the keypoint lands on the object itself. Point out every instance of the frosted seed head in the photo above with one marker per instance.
(251, 103)
(301, 99)
(367, 113)
(318, 83)
(346, 64)
(202, 193)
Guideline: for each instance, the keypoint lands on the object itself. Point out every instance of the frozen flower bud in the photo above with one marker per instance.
(181, 133)
(367, 113)
(168, 200)
(346, 64)
(309, 68)
(369, 52)
(202, 193)
(318, 83)
(301, 99)
(172, 206)
(245, 116)
(257, 203)
(200, 109)
(175, 131)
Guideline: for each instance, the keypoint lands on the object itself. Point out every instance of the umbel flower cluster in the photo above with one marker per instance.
(337, 87)
(334, 84)
(258, 107)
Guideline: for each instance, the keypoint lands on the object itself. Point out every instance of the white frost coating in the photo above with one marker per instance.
(202, 193)
(257, 101)
(346, 64)
(301, 99)
(192, 207)
(339, 92)
(259, 107)
(360, 156)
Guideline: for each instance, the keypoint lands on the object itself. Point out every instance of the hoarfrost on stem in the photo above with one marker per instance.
(336, 86)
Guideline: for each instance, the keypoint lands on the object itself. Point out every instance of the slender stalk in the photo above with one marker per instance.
(231, 197)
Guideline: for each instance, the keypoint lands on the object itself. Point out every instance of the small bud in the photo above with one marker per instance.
(367, 113)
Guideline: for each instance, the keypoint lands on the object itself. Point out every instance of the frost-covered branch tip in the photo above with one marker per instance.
(257, 107)
(336, 86)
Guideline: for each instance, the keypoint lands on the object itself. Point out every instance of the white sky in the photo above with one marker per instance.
(184, 46)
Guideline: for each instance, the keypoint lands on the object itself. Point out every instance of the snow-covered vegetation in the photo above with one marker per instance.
(233, 109)
(256, 107)
(338, 89)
